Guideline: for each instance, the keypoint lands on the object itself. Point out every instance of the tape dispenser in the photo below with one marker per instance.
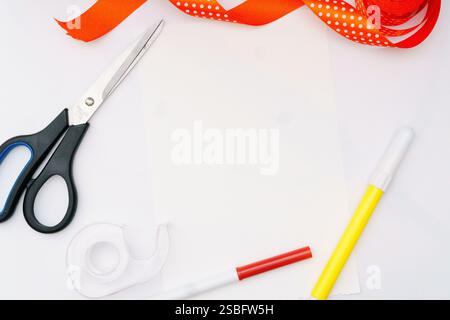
(94, 280)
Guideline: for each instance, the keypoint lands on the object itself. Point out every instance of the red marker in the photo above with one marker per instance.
(237, 274)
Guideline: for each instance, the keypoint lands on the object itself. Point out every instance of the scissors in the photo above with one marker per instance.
(71, 124)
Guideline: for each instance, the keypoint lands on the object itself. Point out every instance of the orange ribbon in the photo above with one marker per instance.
(370, 22)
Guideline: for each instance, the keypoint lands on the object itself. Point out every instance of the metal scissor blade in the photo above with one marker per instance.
(133, 57)
(113, 76)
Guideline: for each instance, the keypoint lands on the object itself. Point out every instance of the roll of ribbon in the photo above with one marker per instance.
(398, 8)
(369, 22)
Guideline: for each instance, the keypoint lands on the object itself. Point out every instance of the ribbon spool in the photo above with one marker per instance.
(351, 22)
(405, 9)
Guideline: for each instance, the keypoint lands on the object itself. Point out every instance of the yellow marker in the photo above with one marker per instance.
(377, 187)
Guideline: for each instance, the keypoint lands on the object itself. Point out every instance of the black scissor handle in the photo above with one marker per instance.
(40, 144)
(60, 164)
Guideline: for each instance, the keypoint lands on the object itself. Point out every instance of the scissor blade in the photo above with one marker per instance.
(113, 76)
(133, 58)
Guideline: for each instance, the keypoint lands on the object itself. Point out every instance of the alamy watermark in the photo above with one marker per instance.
(74, 17)
(73, 277)
(373, 17)
(232, 146)
(373, 281)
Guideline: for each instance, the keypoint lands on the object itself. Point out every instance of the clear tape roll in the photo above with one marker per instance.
(94, 281)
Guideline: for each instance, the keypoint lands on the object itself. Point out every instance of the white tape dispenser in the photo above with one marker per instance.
(94, 280)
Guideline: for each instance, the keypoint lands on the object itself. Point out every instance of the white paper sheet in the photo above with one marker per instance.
(222, 77)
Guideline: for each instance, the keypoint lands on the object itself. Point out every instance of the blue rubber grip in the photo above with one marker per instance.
(3, 156)
(40, 144)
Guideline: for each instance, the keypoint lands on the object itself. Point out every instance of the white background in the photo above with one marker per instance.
(377, 90)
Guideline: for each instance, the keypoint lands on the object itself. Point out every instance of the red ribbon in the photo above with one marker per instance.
(370, 22)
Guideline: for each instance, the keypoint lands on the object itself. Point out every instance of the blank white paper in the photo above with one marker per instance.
(210, 77)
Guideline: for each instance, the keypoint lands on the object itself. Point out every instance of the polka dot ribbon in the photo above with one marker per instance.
(369, 22)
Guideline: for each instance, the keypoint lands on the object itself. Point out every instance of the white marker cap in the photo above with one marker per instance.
(393, 156)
